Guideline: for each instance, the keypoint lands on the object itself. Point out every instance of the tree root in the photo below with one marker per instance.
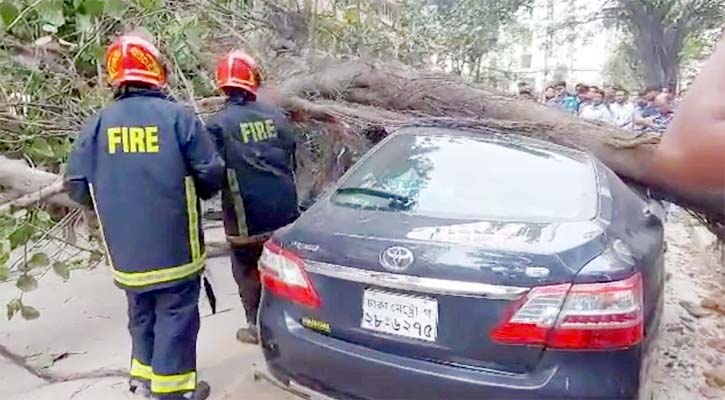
(51, 377)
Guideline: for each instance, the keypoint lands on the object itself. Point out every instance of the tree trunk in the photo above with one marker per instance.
(360, 95)
(658, 44)
(346, 101)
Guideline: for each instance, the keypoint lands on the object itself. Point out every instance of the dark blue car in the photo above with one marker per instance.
(451, 265)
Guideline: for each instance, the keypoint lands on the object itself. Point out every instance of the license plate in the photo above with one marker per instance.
(397, 314)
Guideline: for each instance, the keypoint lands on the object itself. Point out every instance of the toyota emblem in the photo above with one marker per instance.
(396, 258)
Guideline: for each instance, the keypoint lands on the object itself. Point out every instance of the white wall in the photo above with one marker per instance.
(577, 52)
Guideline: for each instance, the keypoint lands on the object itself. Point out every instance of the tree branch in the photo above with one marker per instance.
(35, 197)
(18, 177)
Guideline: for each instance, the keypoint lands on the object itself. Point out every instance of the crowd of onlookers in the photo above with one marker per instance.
(649, 110)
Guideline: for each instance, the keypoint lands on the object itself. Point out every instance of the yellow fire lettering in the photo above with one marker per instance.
(124, 138)
(152, 139)
(261, 130)
(114, 139)
(246, 131)
(137, 140)
(271, 130)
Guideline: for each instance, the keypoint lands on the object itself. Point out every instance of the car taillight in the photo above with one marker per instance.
(283, 273)
(578, 316)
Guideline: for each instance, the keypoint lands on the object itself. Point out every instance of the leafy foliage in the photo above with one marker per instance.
(52, 77)
(661, 31)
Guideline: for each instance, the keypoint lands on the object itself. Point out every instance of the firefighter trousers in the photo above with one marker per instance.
(164, 324)
(246, 274)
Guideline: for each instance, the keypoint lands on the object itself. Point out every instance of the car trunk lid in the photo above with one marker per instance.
(464, 277)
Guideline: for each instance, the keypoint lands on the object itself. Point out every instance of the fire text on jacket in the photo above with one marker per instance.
(258, 131)
(133, 139)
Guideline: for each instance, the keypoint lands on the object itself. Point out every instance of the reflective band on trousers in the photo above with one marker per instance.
(236, 192)
(163, 384)
(141, 370)
(162, 275)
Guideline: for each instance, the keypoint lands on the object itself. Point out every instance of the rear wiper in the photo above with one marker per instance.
(395, 198)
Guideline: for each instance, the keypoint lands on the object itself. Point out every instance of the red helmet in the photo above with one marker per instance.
(133, 59)
(238, 70)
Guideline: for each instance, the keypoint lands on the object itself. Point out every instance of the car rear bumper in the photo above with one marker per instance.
(322, 367)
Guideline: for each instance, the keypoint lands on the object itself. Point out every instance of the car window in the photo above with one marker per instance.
(462, 177)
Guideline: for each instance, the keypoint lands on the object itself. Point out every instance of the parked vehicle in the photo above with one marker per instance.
(452, 265)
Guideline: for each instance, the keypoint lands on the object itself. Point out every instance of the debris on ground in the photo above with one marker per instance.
(715, 302)
(690, 349)
(694, 309)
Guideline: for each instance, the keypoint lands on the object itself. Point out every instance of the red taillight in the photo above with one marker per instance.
(283, 273)
(579, 316)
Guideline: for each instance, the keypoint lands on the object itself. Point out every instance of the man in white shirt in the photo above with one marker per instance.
(596, 110)
(622, 110)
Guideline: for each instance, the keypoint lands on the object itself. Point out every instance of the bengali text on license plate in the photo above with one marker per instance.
(402, 315)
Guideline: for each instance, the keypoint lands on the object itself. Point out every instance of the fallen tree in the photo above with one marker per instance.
(344, 106)
(370, 98)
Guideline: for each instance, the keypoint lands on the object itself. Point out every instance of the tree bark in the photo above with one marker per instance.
(658, 43)
(346, 101)
(360, 95)
(20, 179)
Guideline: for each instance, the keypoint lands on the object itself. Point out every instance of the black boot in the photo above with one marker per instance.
(139, 388)
(248, 335)
(202, 392)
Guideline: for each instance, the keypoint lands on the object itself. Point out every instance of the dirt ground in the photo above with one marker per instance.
(684, 351)
(82, 329)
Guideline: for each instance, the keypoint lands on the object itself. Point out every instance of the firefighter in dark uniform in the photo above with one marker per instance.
(143, 162)
(259, 194)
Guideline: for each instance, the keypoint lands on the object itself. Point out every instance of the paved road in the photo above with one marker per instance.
(86, 318)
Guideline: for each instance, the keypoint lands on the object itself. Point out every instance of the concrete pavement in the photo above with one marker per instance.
(86, 318)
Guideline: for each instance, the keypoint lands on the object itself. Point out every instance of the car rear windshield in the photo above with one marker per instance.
(463, 177)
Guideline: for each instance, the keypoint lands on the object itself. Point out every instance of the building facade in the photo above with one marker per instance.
(555, 40)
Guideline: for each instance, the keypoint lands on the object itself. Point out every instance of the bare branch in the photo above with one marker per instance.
(35, 197)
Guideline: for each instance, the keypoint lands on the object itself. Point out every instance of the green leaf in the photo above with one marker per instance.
(4, 272)
(84, 22)
(49, 28)
(20, 235)
(26, 283)
(115, 8)
(39, 260)
(29, 313)
(8, 12)
(42, 216)
(60, 149)
(61, 269)
(13, 307)
(352, 15)
(94, 7)
(51, 11)
(41, 147)
(20, 214)
(98, 52)
(150, 5)
(5, 246)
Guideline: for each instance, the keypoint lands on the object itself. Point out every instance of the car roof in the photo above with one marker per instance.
(507, 140)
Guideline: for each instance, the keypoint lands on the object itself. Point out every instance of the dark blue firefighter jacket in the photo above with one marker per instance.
(145, 161)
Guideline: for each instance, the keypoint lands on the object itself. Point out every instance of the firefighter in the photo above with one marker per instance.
(143, 162)
(259, 194)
